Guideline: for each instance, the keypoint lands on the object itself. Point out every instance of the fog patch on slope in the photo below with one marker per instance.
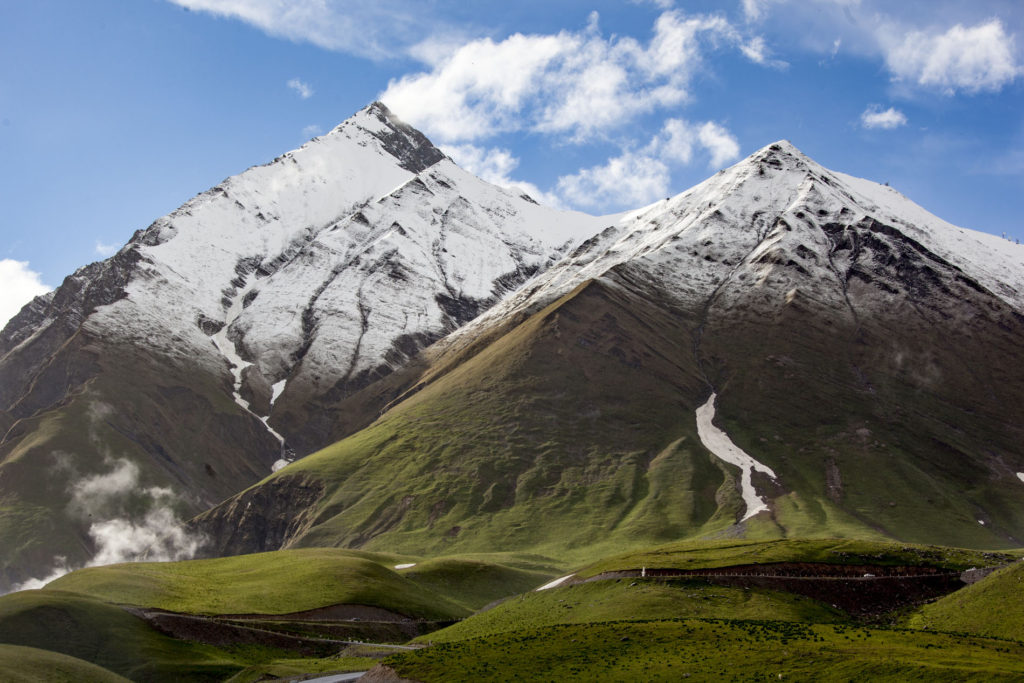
(127, 523)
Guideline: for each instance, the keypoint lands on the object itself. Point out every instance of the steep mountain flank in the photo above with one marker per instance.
(866, 352)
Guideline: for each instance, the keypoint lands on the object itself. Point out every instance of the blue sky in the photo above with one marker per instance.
(115, 112)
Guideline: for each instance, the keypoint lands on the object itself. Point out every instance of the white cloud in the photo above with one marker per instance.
(719, 142)
(970, 59)
(106, 250)
(753, 9)
(674, 143)
(304, 90)
(629, 178)
(311, 131)
(637, 177)
(874, 117)
(577, 83)
(948, 45)
(18, 286)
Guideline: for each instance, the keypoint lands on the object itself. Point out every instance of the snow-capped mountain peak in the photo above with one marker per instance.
(769, 212)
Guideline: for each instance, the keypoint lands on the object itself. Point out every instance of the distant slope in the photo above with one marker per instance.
(716, 554)
(631, 600)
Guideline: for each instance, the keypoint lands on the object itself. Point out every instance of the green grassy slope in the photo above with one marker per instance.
(532, 444)
(572, 433)
(902, 410)
(528, 446)
(992, 607)
(626, 600)
(714, 650)
(107, 636)
(702, 555)
(28, 665)
(268, 583)
(475, 581)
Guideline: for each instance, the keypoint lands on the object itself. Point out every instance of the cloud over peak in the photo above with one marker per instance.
(577, 83)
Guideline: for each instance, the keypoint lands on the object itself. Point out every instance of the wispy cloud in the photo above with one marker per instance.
(377, 30)
(18, 285)
(304, 90)
(106, 250)
(312, 130)
(875, 117)
(757, 51)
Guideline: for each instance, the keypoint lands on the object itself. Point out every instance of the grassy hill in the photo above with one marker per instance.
(109, 637)
(992, 607)
(689, 555)
(626, 600)
(28, 664)
(267, 583)
(572, 433)
(713, 650)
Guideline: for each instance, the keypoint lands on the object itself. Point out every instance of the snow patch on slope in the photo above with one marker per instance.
(276, 390)
(556, 582)
(719, 443)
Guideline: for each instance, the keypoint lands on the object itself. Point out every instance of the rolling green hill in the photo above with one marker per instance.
(269, 583)
(28, 665)
(109, 637)
(992, 607)
(713, 650)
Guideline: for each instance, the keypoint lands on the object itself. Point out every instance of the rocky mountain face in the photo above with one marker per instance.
(230, 336)
(867, 356)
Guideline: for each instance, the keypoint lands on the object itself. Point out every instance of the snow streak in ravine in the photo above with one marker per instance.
(719, 443)
(238, 365)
